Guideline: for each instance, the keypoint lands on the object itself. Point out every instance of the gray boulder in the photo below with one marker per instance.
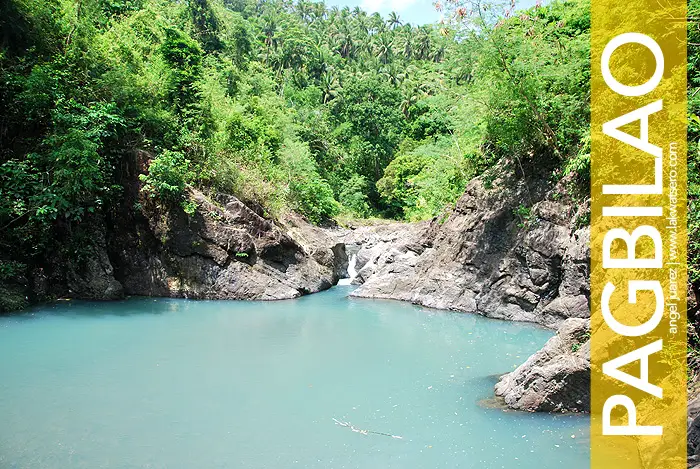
(555, 379)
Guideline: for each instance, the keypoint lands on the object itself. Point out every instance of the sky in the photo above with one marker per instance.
(409, 11)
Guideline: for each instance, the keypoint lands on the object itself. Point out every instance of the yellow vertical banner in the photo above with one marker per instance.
(638, 234)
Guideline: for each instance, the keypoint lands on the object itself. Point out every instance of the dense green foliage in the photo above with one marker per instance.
(289, 106)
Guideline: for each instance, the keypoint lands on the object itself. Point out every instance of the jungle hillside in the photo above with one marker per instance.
(334, 114)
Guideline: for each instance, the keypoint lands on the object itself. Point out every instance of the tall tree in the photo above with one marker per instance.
(393, 20)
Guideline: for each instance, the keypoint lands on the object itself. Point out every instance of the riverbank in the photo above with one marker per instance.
(223, 250)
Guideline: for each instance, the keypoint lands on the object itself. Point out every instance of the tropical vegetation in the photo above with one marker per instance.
(290, 106)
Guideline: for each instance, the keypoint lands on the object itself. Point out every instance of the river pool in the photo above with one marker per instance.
(162, 383)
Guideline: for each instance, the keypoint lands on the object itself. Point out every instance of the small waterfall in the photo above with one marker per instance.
(352, 273)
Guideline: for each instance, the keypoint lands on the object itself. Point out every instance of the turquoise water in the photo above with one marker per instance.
(159, 383)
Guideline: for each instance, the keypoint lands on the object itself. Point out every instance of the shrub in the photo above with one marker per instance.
(524, 214)
(580, 164)
(168, 176)
(430, 118)
(310, 194)
(353, 196)
(396, 186)
(314, 199)
(421, 182)
(239, 134)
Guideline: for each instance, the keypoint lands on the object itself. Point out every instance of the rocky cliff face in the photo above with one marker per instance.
(514, 251)
(694, 429)
(142, 246)
(225, 251)
(485, 258)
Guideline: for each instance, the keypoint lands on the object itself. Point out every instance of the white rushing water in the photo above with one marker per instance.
(352, 273)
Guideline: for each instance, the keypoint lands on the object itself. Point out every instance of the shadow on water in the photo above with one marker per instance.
(134, 306)
(130, 306)
(80, 309)
(428, 309)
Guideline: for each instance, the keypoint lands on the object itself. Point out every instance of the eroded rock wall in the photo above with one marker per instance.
(225, 251)
(556, 378)
(495, 255)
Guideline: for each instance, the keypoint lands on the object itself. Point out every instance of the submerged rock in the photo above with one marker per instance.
(555, 379)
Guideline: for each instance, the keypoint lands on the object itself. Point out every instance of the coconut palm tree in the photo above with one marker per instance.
(408, 43)
(415, 94)
(364, 45)
(438, 54)
(330, 86)
(318, 62)
(394, 74)
(424, 43)
(304, 10)
(344, 40)
(393, 20)
(362, 24)
(384, 47)
(319, 11)
(376, 23)
(269, 29)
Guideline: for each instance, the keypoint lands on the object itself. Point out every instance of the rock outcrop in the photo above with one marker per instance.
(92, 276)
(493, 256)
(369, 243)
(555, 379)
(225, 251)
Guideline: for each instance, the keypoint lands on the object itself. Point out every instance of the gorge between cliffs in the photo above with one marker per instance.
(481, 258)
(401, 383)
